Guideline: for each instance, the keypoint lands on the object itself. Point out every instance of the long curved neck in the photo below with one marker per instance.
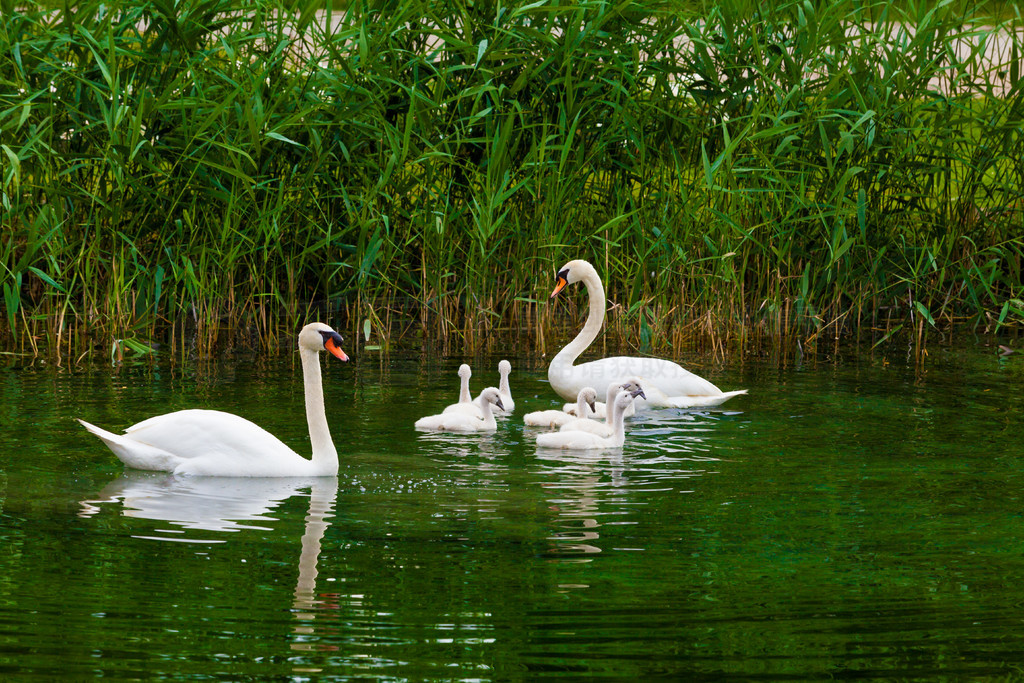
(618, 423)
(582, 407)
(503, 385)
(485, 407)
(595, 319)
(464, 395)
(325, 456)
(609, 399)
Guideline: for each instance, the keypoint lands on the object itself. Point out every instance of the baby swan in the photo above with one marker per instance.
(466, 403)
(553, 418)
(504, 368)
(604, 428)
(462, 421)
(581, 441)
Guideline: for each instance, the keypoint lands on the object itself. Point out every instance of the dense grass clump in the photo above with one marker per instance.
(738, 171)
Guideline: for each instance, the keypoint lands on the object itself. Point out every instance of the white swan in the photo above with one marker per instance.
(604, 427)
(213, 443)
(554, 418)
(579, 441)
(665, 383)
(466, 403)
(504, 368)
(462, 421)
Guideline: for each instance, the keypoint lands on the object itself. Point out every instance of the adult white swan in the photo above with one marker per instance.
(581, 441)
(213, 443)
(666, 384)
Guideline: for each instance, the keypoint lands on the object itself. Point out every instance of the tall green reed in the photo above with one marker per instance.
(739, 172)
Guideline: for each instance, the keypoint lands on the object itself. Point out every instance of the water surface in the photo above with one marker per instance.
(855, 519)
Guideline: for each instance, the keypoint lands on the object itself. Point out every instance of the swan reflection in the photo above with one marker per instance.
(231, 505)
(222, 504)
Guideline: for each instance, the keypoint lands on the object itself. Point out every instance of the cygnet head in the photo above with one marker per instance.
(465, 372)
(624, 399)
(572, 272)
(588, 394)
(634, 388)
(504, 367)
(493, 396)
(318, 337)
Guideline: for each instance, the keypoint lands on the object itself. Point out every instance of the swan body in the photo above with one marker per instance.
(214, 443)
(554, 418)
(462, 421)
(580, 441)
(604, 428)
(466, 403)
(666, 383)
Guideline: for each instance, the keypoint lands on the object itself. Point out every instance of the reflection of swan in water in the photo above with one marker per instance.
(206, 503)
(220, 505)
(228, 505)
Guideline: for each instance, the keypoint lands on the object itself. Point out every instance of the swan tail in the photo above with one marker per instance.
(135, 454)
(704, 401)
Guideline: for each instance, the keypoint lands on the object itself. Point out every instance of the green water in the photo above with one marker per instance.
(850, 519)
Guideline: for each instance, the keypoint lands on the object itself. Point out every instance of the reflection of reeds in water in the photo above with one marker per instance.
(746, 176)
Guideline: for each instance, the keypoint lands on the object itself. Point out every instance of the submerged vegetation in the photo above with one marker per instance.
(737, 172)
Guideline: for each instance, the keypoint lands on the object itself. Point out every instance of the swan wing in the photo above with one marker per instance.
(471, 409)
(584, 425)
(196, 433)
(132, 453)
(454, 422)
(546, 418)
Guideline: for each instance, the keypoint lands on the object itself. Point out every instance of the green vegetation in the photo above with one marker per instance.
(738, 172)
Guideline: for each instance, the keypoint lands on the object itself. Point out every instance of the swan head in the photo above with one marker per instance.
(493, 396)
(589, 395)
(634, 388)
(571, 273)
(318, 337)
(465, 372)
(625, 398)
(504, 367)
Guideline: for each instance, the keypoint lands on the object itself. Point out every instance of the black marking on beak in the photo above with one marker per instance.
(638, 392)
(561, 281)
(331, 334)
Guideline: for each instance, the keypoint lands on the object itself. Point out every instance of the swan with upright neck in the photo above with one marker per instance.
(466, 403)
(214, 443)
(582, 441)
(509, 403)
(666, 384)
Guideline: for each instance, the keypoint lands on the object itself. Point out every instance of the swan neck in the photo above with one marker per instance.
(485, 407)
(325, 456)
(618, 423)
(464, 395)
(595, 319)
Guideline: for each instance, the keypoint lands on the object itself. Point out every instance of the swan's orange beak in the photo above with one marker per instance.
(560, 283)
(334, 349)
